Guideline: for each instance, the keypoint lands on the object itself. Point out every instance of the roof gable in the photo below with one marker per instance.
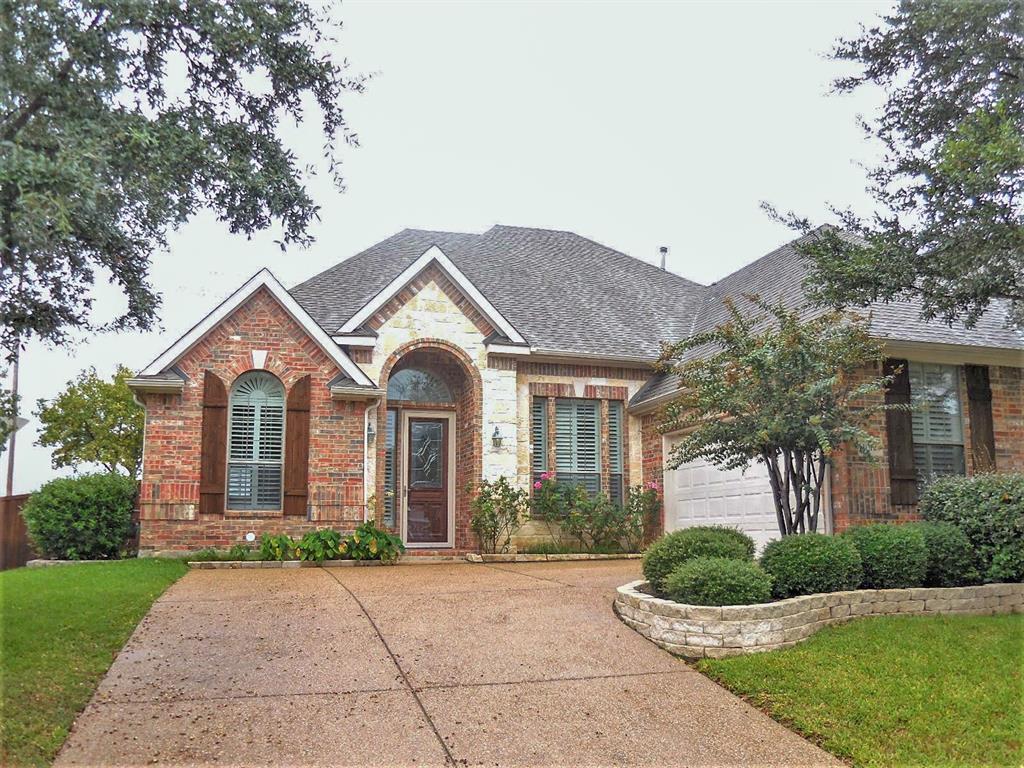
(262, 279)
(432, 257)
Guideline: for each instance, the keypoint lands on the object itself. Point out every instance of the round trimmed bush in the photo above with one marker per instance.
(673, 549)
(809, 563)
(892, 556)
(81, 518)
(951, 558)
(718, 581)
(989, 509)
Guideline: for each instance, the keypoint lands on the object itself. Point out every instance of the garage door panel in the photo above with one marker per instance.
(698, 493)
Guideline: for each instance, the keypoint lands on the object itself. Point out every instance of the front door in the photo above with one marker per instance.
(427, 481)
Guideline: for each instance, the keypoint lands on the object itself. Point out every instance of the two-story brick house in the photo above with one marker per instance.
(385, 386)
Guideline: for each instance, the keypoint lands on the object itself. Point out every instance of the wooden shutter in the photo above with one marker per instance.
(900, 433)
(213, 446)
(539, 436)
(296, 451)
(979, 413)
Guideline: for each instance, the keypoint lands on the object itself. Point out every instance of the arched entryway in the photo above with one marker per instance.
(431, 449)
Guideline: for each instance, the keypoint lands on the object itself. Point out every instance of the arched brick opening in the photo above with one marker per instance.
(463, 378)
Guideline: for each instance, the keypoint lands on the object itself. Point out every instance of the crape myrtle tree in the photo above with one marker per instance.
(94, 421)
(121, 119)
(947, 220)
(772, 387)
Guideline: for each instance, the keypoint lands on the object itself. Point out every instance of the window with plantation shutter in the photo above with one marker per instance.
(578, 443)
(539, 437)
(615, 462)
(936, 419)
(255, 442)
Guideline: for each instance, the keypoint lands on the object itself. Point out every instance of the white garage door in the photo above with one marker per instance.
(699, 493)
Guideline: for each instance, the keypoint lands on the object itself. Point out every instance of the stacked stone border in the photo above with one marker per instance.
(697, 631)
(557, 558)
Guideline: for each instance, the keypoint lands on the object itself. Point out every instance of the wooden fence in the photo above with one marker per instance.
(14, 547)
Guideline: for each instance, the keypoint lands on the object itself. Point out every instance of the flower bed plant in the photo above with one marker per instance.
(585, 523)
(367, 542)
(811, 563)
(718, 581)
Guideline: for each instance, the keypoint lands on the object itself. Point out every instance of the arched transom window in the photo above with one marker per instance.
(417, 385)
(255, 442)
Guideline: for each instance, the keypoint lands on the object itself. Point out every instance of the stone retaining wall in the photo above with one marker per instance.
(695, 631)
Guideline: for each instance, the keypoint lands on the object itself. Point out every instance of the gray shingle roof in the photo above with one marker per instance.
(779, 276)
(562, 292)
(568, 294)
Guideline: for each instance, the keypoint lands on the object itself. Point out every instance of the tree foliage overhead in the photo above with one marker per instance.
(94, 421)
(120, 119)
(769, 386)
(948, 221)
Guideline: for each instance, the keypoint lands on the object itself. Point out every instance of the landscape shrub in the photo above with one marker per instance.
(368, 542)
(670, 551)
(236, 552)
(280, 546)
(320, 545)
(810, 563)
(989, 509)
(718, 581)
(81, 518)
(640, 515)
(594, 523)
(498, 510)
(892, 556)
(951, 558)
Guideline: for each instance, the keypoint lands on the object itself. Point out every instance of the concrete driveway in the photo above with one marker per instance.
(519, 664)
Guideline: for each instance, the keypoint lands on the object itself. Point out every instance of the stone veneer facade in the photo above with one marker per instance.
(697, 631)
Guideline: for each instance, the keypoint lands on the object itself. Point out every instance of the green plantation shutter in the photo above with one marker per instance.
(255, 442)
(578, 443)
(937, 425)
(539, 436)
(615, 451)
(389, 467)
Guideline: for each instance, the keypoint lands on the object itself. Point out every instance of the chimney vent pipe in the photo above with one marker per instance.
(664, 255)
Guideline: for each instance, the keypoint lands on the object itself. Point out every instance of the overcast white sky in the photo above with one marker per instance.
(637, 125)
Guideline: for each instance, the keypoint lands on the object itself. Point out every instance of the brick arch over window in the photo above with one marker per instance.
(463, 378)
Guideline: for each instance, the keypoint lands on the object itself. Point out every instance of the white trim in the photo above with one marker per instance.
(506, 349)
(355, 341)
(158, 386)
(953, 354)
(404, 489)
(356, 393)
(454, 274)
(262, 279)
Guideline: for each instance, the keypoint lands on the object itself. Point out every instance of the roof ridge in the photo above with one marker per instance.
(600, 245)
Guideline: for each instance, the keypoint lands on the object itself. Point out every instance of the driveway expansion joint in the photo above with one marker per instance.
(449, 758)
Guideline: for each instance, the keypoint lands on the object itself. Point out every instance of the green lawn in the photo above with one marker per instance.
(61, 628)
(885, 691)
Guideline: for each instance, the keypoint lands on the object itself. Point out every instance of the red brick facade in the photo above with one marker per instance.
(860, 486)
(169, 493)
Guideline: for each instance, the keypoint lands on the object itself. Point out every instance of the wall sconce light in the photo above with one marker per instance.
(496, 437)
(371, 431)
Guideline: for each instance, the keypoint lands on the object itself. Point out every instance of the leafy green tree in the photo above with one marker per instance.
(120, 119)
(771, 387)
(94, 421)
(948, 224)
